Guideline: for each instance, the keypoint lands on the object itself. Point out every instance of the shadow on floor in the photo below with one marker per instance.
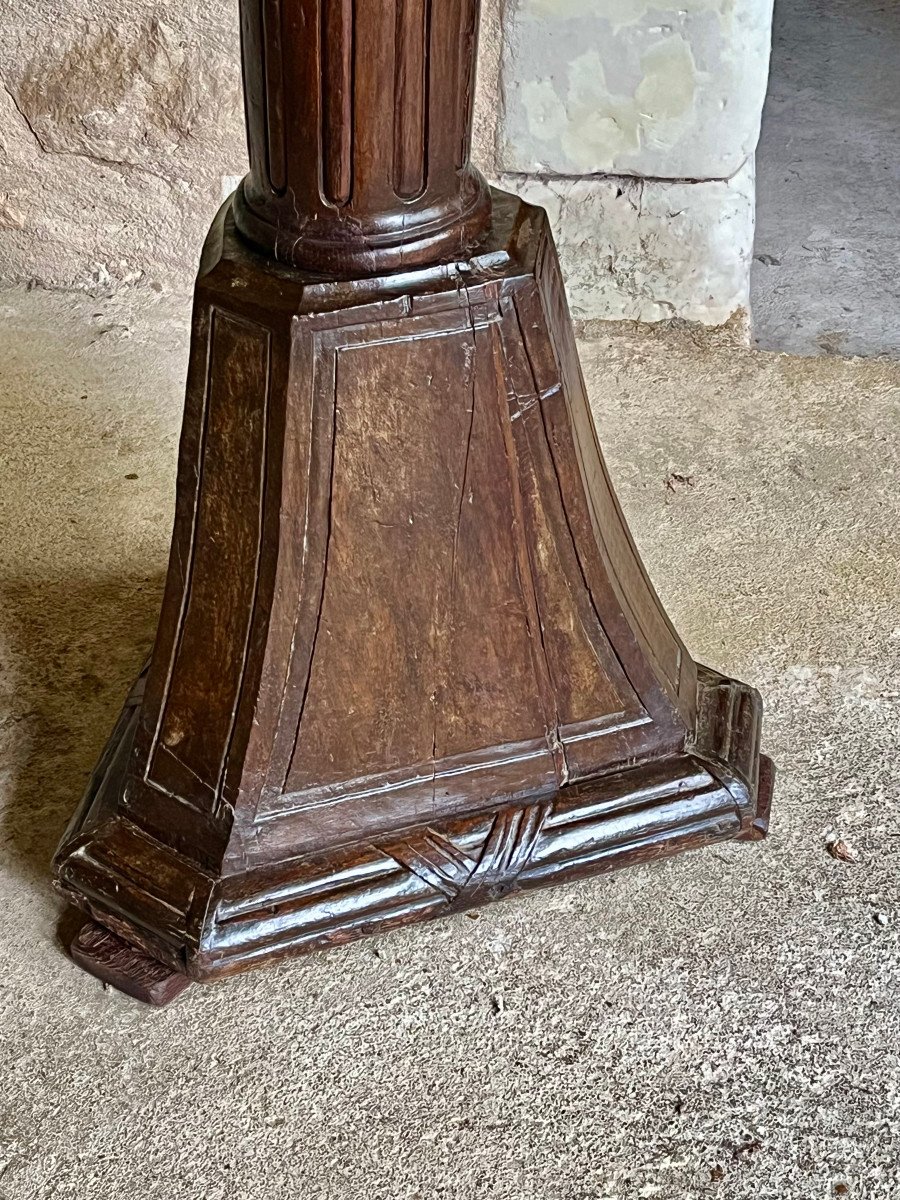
(825, 277)
(74, 648)
(88, 439)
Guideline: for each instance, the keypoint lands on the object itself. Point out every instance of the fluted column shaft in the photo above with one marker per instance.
(359, 118)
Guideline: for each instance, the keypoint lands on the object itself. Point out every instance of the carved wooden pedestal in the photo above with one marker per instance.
(408, 659)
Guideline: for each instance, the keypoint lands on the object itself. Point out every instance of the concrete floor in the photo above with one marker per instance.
(826, 276)
(725, 1024)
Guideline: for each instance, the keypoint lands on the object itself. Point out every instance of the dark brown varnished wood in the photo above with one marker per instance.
(125, 967)
(367, 169)
(408, 658)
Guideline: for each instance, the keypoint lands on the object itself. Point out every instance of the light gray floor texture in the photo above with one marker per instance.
(722, 1025)
(826, 273)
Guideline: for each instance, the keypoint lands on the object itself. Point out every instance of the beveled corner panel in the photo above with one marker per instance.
(594, 511)
(193, 735)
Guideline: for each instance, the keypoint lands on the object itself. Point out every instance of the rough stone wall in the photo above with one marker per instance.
(118, 120)
(121, 130)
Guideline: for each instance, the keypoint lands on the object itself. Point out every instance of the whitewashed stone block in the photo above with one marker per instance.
(633, 87)
(648, 250)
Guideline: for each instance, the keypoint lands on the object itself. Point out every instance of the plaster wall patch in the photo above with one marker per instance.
(633, 87)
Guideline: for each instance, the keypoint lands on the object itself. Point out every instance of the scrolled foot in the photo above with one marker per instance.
(124, 967)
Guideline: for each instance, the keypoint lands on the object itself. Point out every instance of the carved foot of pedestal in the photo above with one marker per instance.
(124, 967)
(760, 826)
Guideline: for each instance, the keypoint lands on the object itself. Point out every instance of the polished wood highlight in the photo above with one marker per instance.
(411, 97)
(408, 659)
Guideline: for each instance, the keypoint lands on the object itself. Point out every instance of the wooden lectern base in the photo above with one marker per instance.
(408, 660)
